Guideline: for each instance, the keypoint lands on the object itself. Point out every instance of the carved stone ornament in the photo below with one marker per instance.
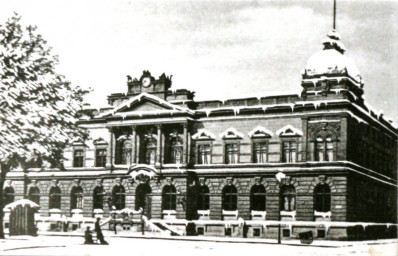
(257, 180)
(77, 182)
(142, 178)
(322, 179)
(287, 180)
(229, 180)
(202, 181)
(118, 181)
(324, 129)
(169, 181)
(99, 182)
(33, 183)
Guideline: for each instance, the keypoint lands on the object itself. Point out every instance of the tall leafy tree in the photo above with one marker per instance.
(38, 106)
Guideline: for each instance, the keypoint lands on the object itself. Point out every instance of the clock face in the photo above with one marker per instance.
(146, 81)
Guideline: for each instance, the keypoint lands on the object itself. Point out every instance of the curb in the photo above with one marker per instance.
(231, 240)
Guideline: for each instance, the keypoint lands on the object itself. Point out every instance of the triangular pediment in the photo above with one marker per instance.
(145, 104)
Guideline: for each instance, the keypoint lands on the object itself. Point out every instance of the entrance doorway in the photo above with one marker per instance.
(143, 199)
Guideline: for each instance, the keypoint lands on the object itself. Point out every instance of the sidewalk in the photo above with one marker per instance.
(44, 240)
(292, 242)
(25, 242)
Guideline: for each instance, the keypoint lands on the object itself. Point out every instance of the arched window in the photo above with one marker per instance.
(8, 195)
(203, 198)
(176, 150)
(257, 198)
(324, 147)
(34, 195)
(229, 198)
(76, 198)
(55, 198)
(150, 151)
(118, 197)
(169, 198)
(288, 198)
(322, 198)
(142, 198)
(123, 150)
(98, 197)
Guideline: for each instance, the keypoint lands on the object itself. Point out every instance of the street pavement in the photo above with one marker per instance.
(66, 245)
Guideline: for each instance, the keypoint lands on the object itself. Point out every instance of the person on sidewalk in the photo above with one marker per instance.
(100, 236)
(88, 238)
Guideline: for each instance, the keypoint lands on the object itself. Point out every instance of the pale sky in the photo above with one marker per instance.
(219, 49)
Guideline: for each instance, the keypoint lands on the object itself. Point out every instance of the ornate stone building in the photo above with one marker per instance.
(216, 161)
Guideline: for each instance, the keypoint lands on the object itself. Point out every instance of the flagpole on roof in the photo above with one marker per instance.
(334, 14)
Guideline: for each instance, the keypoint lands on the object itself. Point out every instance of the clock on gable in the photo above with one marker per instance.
(146, 82)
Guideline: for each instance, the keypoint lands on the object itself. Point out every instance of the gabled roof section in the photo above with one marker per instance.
(126, 108)
(289, 130)
(203, 134)
(260, 132)
(231, 133)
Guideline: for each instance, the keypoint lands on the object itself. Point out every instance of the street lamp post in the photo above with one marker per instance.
(279, 176)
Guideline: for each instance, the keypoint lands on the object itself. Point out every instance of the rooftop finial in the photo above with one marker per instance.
(334, 14)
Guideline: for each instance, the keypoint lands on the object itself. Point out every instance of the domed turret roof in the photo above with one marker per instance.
(331, 61)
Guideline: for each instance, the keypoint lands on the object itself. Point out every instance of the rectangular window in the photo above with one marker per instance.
(204, 154)
(228, 231)
(321, 233)
(329, 151)
(256, 232)
(231, 153)
(100, 157)
(201, 231)
(289, 151)
(320, 148)
(286, 233)
(260, 152)
(78, 158)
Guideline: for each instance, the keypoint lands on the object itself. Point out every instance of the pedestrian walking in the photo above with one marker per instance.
(98, 230)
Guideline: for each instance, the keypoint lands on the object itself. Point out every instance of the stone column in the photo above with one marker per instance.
(133, 140)
(184, 144)
(138, 142)
(163, 148)
(159, 144)
(111, 149)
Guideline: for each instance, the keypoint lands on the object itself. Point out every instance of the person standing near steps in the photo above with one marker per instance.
(98, 230)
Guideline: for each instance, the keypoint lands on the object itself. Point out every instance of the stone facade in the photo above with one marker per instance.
(173, 144)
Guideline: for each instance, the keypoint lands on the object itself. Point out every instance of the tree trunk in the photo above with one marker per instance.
(3, 173)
